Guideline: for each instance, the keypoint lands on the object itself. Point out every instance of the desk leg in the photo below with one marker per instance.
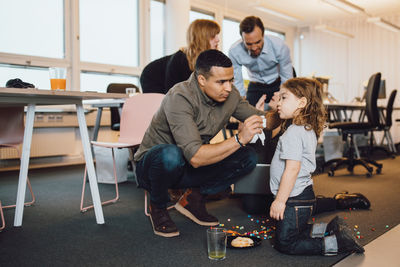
(23, 171)
(97, 124)
(89, 164)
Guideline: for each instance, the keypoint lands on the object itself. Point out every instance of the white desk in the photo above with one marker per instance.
(339, 111)
(34, 97)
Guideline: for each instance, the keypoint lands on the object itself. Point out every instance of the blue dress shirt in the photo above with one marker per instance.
(273, 61)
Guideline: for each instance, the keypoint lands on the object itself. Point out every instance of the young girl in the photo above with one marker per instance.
(303, 114)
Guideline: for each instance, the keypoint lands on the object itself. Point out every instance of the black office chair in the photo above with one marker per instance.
(385, 126)
(350, 129)
(118, 88)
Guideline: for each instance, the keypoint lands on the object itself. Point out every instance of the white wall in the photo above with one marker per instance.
(177, 22)
(352, 61)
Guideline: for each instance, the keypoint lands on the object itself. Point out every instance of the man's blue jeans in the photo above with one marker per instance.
(164, 167)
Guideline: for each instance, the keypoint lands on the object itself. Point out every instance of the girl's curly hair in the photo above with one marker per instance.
(313, 115)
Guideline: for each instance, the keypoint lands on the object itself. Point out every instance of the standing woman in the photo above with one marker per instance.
(201, 35)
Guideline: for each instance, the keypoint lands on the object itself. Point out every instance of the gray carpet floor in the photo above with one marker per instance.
(55, 233)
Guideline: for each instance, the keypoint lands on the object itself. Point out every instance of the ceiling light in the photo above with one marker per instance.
(345, 6)
(384, 24)
(333, 31)
(277, 13)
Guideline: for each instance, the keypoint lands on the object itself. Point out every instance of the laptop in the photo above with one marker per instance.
(256, 182)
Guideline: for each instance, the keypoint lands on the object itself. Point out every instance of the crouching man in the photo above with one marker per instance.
(176, 152)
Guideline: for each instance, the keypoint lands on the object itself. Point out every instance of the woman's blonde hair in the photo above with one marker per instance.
(313, 115)
(198, 37)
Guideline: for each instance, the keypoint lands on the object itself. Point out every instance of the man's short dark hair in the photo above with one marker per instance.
(208, 59)
(248, 24)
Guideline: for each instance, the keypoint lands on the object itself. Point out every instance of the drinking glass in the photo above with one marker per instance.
(216, 243)
(58, 78)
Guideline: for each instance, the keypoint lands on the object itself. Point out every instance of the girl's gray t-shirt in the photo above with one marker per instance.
(298, 144)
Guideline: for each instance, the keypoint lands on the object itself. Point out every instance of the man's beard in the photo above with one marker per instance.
(254, 55)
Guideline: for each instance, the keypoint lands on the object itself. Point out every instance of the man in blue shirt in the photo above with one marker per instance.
(267, 60)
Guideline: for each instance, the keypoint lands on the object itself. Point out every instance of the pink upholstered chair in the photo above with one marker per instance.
(136, 116)
(11, 136)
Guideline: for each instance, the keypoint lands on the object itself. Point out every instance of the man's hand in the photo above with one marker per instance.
(251, 126)
(277, 210)
(273, 104)
(261, 102)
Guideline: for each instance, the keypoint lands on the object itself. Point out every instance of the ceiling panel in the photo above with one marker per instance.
(311, 11)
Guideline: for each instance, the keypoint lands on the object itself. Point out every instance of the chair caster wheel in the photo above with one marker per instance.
(368, 174)
(379, 170)
(331, 173)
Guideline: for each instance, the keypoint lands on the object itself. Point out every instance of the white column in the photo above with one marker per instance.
(177, 22)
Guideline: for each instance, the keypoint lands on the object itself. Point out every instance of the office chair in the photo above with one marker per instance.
(118, 88)
(385, 125)
(11, 136)
(136, 116)
(349, 129)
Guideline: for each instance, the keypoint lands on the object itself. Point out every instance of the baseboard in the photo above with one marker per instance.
(43, 162)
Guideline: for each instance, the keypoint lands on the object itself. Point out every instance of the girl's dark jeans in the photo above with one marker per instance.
(164, 167)
(293, 232)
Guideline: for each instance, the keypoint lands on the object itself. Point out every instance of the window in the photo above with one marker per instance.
(200, 14)
(34, 28)
(109, 32)
(98, 82)
(275, 33)
(39, 77)
(108, 41)
(107, 49)
(230, 36)
(157, 21)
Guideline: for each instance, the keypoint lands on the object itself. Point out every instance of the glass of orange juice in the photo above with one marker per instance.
(58, 78)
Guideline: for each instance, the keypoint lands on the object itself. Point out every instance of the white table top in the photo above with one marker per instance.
(49, 97)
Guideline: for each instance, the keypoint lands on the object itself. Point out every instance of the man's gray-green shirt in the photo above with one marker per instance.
(188, 118)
